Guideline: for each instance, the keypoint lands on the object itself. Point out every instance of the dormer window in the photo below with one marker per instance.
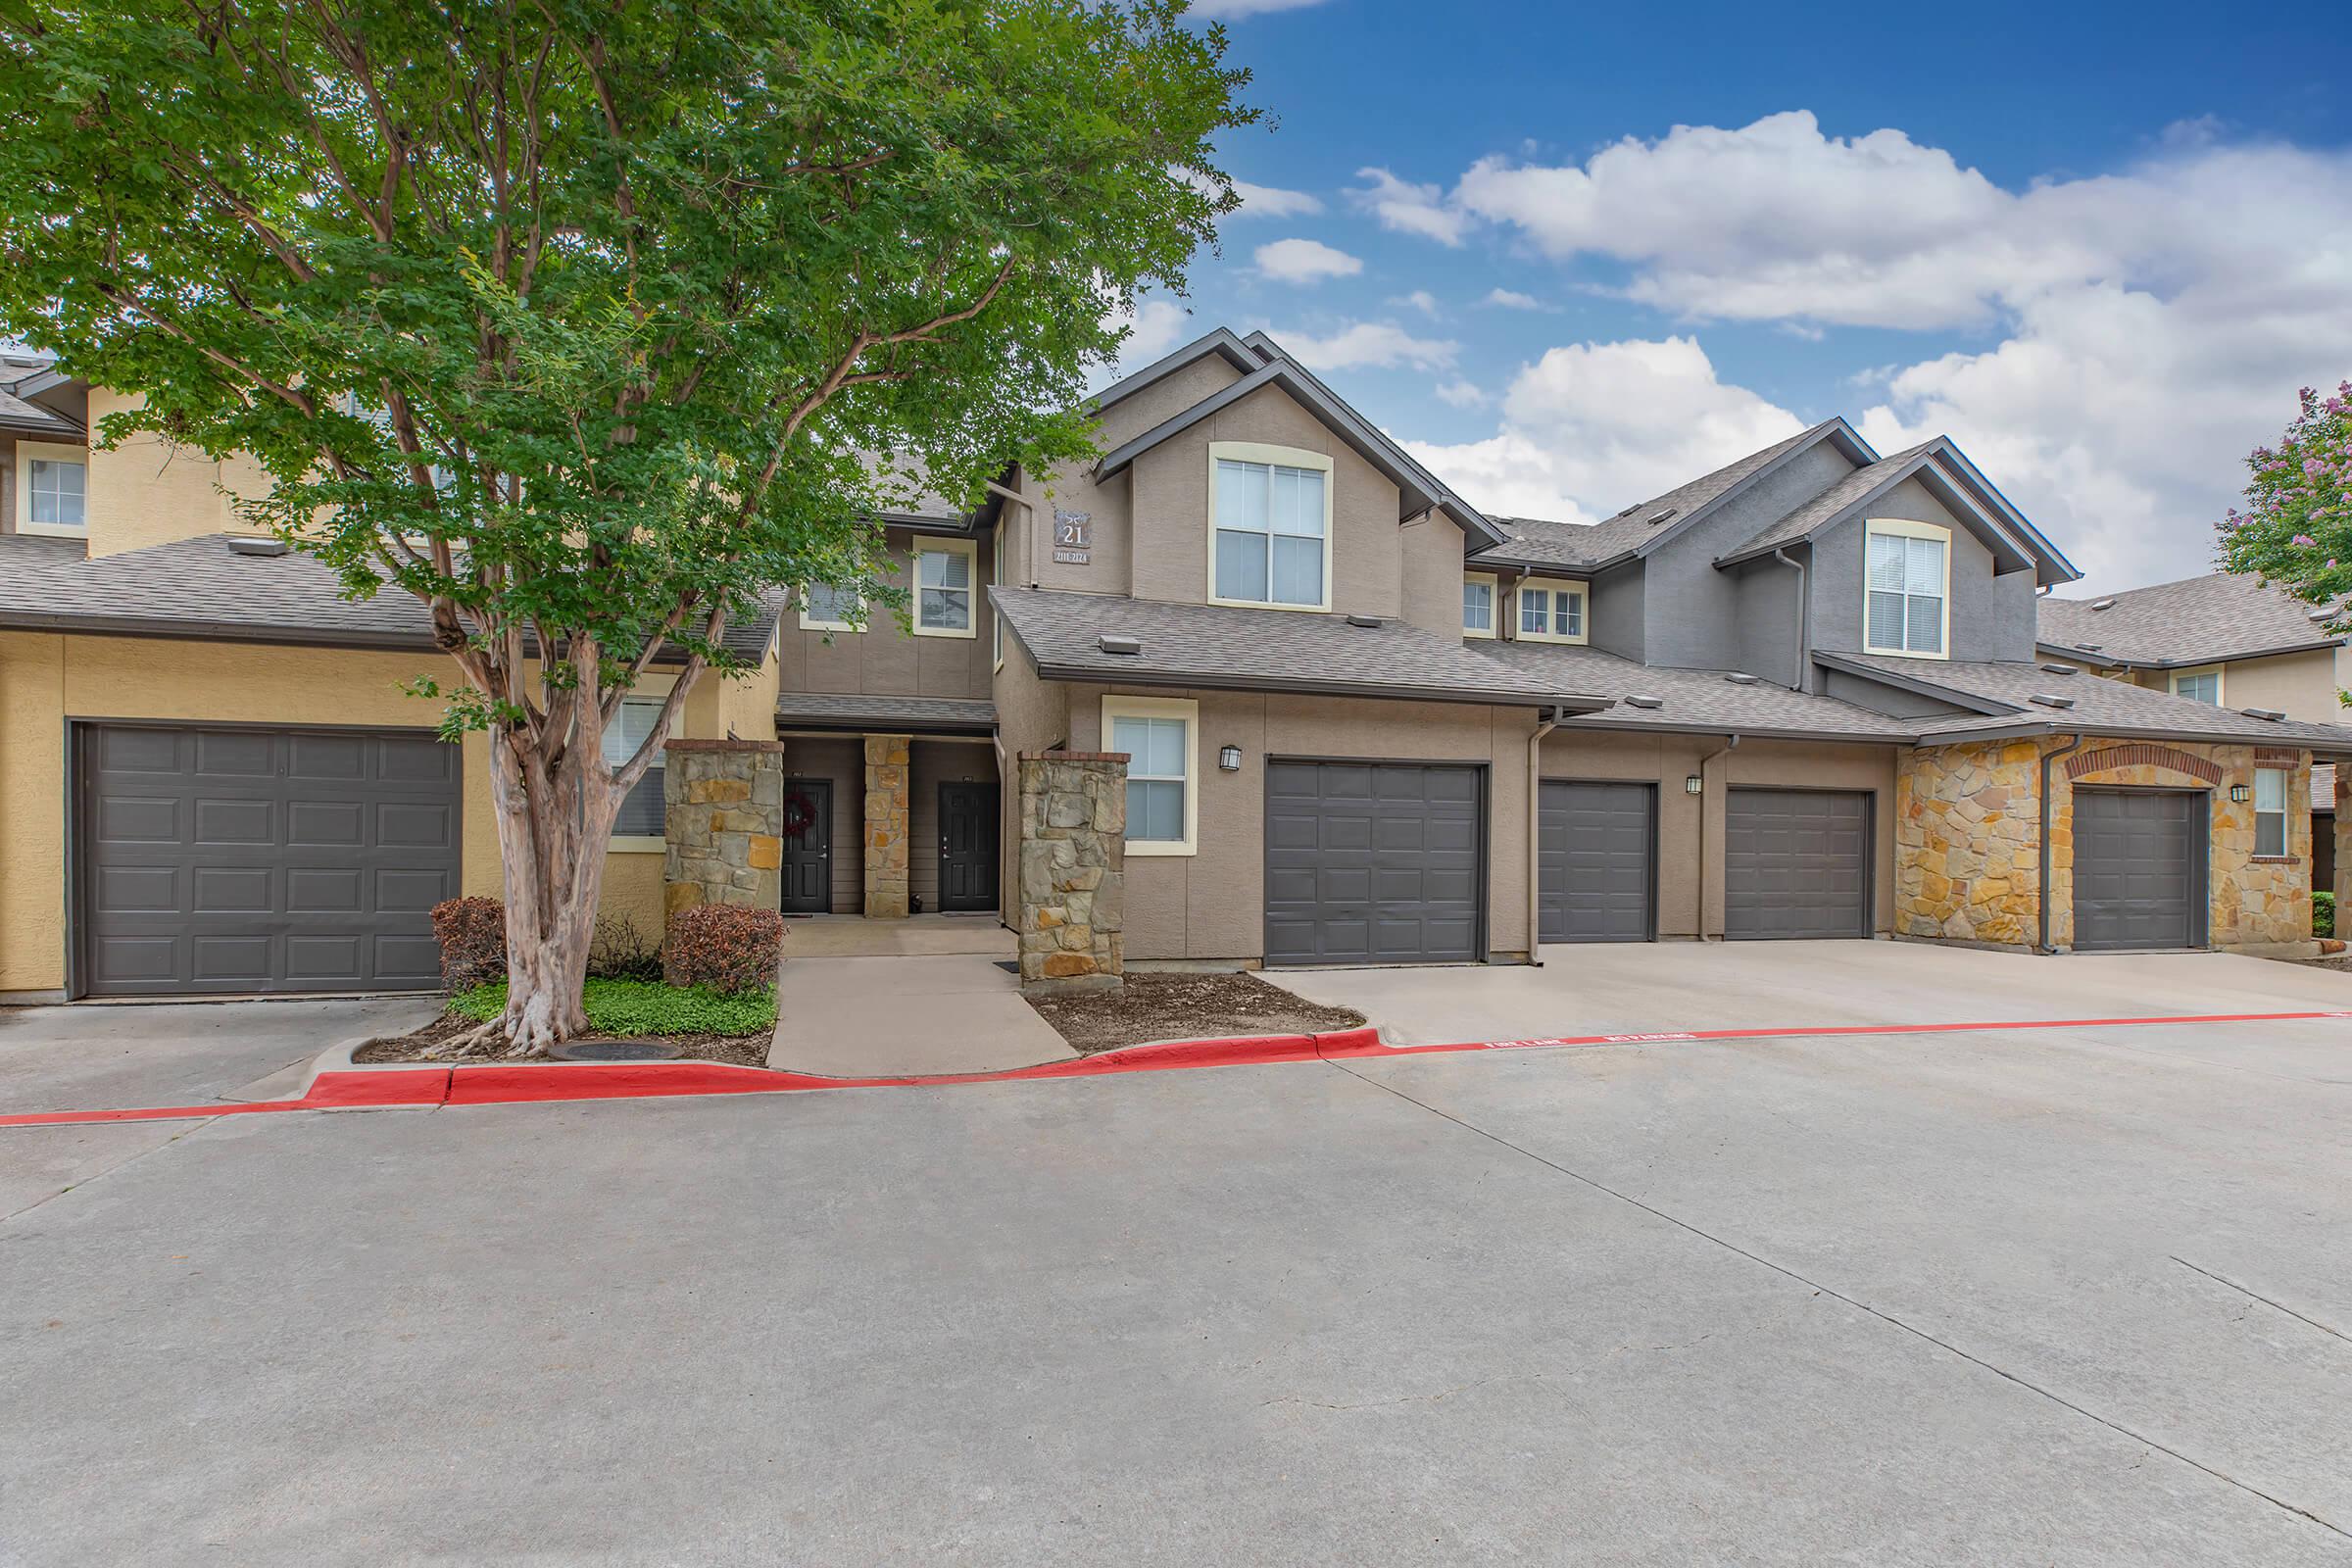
(1270, 523)
(1552, 611)
(1907, 573)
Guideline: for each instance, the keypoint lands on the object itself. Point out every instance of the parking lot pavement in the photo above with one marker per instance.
(2050, 1296)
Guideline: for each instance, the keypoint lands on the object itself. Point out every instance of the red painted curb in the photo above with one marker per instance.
(527, 1083)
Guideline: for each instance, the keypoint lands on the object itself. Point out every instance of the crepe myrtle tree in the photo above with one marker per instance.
(2296, 528)
(587, 321)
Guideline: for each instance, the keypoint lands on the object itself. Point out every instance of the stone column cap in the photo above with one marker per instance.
(728, 744)
(1074, 756)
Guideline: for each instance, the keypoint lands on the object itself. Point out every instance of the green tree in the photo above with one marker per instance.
(2296, 528)
(581, 321)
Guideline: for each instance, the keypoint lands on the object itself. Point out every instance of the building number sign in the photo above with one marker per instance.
(1073, 537)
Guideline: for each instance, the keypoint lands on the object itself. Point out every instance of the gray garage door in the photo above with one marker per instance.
(1796, 863)
(1592, 861)
(1373, 862)
(262, 859)
(2139, 868)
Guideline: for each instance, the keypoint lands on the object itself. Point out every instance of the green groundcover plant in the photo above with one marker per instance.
(632, 1007)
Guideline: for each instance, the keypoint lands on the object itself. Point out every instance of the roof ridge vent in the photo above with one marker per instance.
(1662, 515)
(1645, 702)
(2090, 647)
(2102, 604)
(2272, 714)
(1628, 512)
(2051, 700)
(2060, 669)
(2322, 614)
(1113, 642)
(1740, 677)
(241, 543)
(1367, 621)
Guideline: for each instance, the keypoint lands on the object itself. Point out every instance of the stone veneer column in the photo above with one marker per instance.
(2344, 849)
(1072, 881)
(887, 823)
(723, 811)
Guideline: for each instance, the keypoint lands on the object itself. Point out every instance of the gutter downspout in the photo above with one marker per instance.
(1804, 613)
(1699, 920)
(1548, 722)
(2047, 758)
(1028, 506)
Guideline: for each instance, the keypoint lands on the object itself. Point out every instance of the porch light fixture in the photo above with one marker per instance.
(2241, 793)
(1229, 760)
(1694, 785)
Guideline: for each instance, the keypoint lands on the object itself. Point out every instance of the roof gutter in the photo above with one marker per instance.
(2048, 757)
(1211, 681)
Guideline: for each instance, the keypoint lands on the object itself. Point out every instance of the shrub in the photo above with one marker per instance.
(725, 947)
(635, 1007)
(473, 933)
(622, 952)
(2322, 914)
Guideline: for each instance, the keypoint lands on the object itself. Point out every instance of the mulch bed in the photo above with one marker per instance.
(1185, 1007)
(743, 1051)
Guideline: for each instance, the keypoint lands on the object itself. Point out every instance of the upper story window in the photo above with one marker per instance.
(1160, 736)
(1478, 605)
(2270, 811)
(1270, 520)
(1552, 611)
(943, 588)
(2198, 685)
(642, 813)
(53, 496)
(1907, 588)
(827, 607)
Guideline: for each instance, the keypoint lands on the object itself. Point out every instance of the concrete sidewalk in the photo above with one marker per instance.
(902, 1016)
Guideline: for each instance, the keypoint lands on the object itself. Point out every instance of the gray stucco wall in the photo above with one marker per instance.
(1992, 617)
(1881, 699)
(1766, 643)
(1618, 622)
(886, 659)
(1695, 616)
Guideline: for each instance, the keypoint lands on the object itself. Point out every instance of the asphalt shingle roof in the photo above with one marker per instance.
(202, 588)
(914, 713)
(1693, 699)
(1269, 650)
(2198, 621)
(31, 551)
(1825, 506)
(26, 417)
(2108, 707)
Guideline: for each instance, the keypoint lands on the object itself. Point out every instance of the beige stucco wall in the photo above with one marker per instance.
(47, 678)
(1691, 827)
(2301, 685)
(888, 659)
(1969, 818)
(149, 492)
(1212, 905)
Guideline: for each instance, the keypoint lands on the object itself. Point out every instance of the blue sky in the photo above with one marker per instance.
(1574, 256)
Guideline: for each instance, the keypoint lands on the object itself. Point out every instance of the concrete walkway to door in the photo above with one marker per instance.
(909, 1013)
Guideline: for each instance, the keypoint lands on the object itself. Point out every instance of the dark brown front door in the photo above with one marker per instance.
(967, 845)
(808, 851)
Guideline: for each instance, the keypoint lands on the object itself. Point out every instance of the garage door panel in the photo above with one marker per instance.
(1796, 864)
(1373, 862)
(260, 860)
(2138, 872)
(1594, 847)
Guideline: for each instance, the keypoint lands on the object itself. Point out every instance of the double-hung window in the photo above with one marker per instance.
(1160, 735)
(943, 588)
(829, 607)
(2270, 811)
(2198, 685)
(640, 814)
(1478, 606)
(1552, 611)
(1908, 570)
(53, 497)
(1271, 526)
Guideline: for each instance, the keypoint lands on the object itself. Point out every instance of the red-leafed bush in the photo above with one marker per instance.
(473, 933)
(723, 947)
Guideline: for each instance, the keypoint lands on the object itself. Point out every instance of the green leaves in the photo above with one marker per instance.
(2296, 526)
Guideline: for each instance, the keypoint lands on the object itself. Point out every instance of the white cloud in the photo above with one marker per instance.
(1271, 201)
(1420, 299)
(1154, 328)
(1460, 394)
(1510, 299)
(1591, 428)
(1368, 344)
(1411, 208)
(1304, 260)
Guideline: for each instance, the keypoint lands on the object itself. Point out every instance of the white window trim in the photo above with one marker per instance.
(811, 622)
(2286, 812)
(1554, 586)
(649, 687)
(970, 551)
(28, 452)
(1288, 458)
(1493, 603)
(996, 575)
(1189, 711)
(1904, 528)
(2220, 682)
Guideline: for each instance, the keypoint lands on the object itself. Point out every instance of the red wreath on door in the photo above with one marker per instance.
(799, 813)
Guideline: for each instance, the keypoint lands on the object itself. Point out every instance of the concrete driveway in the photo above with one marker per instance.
(2050, 1296)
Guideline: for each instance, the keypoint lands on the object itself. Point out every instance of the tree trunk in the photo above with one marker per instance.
(553, 826)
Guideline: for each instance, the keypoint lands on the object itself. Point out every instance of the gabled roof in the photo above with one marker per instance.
(1227, 649)
(2015, 542)
(204, 589)
(1263, 362)
(2197, 620)
(2004, 693)
(1642, 527)
(20, 418)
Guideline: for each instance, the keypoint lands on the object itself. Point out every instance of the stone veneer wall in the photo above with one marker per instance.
(1967, 838)
(1073, 875)
(887, 821)
(724, 808)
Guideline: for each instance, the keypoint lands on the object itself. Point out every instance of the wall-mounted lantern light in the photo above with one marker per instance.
(2240, 794)
(1230, 760)
(1694, 785)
